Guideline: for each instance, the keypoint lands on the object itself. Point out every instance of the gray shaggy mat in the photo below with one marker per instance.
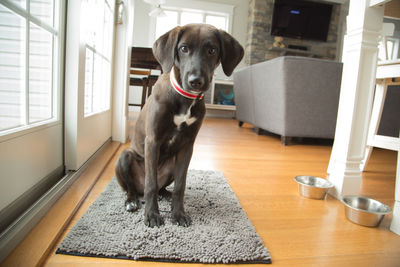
(220, 230)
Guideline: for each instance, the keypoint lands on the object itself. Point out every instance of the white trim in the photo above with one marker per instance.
(227, 82)
(27, 129)
(221, 107)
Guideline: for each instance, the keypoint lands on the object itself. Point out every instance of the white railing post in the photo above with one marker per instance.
(360, 50)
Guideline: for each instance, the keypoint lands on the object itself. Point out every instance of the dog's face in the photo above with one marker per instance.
(196, 50)
(198, 54)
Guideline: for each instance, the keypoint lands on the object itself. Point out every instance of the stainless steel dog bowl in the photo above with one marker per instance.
(313, 187)
(365, 211)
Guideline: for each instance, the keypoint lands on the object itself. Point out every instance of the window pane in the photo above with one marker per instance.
(43, 10)
(101, 84)
(12, 69)
(21, 3)
(166, 23)
(92, 16)
(40, 74)
(98, 27)
(106, 99)
(97, 83)
(191, 17)
(89, 82)
(97, 31)
(108, 29)
(217, 21)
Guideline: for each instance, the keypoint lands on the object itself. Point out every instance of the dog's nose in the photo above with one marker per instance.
(196, 82)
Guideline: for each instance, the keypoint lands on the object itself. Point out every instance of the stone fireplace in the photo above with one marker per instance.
(260, 43)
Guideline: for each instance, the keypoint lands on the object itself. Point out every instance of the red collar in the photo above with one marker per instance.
(181, 91)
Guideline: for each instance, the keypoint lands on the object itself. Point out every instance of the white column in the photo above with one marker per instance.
(360, 51)
(122, 56)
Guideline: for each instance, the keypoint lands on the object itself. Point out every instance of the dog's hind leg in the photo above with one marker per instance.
(128, 177)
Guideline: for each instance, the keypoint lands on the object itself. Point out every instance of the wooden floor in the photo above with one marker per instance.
(297, 231)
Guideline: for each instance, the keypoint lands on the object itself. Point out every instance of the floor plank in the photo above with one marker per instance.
(296, 230)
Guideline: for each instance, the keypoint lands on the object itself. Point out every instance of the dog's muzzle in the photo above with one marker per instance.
(183, 92)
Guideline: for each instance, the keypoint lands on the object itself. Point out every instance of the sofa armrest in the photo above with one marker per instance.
(244, 100)
(269, 95)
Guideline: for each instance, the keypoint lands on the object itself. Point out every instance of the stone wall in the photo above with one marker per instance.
(259, 43)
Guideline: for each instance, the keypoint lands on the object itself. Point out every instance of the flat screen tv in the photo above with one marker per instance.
(301, 19)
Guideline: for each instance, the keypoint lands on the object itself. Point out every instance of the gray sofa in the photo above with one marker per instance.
(289, 96)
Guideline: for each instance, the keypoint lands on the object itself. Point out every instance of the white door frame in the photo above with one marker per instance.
(83, 135)
(122, 55)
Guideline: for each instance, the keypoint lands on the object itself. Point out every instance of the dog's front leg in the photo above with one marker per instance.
(151, 212)
(182, 163)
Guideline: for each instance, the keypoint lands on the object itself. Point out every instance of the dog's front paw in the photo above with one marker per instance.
(181, 219)
(152, 219)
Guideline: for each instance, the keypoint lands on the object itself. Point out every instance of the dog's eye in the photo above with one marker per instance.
(184, 49)
(212, 51)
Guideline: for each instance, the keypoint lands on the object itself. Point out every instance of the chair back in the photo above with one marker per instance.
(143, 58)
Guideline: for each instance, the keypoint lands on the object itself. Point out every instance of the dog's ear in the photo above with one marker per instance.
(164, 49)
(231, 52)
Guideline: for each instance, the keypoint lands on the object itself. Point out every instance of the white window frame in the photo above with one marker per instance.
(57, 72)
(81, 141)
(95, 52)
(205, 8)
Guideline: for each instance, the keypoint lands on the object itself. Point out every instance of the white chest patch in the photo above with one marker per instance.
(187, 117)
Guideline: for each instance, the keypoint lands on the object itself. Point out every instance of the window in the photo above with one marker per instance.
(97, 33)
(29, 57)
(176, 16)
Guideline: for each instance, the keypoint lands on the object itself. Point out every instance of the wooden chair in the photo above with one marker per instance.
(142, 64)
(387, 74)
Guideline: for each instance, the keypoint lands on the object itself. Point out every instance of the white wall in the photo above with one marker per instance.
(141, 24)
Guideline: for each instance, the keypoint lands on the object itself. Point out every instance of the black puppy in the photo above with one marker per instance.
(168, 124)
